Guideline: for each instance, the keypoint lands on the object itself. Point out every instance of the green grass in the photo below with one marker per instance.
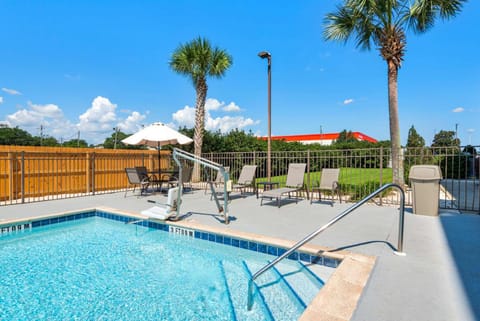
(348, 176)
(355, 182)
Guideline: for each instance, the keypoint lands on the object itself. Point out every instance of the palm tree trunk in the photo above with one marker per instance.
(201, 88)
(397, 155)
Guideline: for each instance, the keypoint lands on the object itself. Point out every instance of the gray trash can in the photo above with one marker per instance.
(425, 181)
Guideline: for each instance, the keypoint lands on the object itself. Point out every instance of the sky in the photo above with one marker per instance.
(70, 68)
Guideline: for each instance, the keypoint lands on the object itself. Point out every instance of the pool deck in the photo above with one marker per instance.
(438, 279)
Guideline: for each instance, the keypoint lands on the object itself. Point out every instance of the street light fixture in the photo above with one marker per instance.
(268, 56)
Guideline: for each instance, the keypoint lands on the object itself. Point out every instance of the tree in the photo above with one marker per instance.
(414, 139)
(198, 60)
(445, 138)
(47, 141)
(383, 23)
(115, 142)
(15, 136)
(75, 143)
(345, 137)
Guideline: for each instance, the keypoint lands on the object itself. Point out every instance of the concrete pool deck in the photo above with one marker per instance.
(438, 279)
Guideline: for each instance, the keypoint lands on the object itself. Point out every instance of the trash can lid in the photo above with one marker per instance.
(425, 172)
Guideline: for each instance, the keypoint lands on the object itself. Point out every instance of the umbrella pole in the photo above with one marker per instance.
(159, 166)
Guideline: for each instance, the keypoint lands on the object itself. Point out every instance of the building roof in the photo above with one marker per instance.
(320, 137)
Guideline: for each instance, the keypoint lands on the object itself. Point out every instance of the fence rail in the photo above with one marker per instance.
(29, 174)
(362, 171)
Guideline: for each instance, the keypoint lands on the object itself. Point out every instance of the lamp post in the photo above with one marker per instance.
(263, 55)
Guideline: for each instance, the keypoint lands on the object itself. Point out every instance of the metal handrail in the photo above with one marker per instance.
(208, 163)
(337, 218)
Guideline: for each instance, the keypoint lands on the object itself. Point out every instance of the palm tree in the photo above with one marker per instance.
(383, 23)
(198, 60)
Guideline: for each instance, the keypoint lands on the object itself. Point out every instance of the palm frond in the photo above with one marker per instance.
(197, 59)
(339, 25)
(220, 62)
(423, 13)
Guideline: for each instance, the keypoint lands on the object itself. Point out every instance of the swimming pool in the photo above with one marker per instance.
(94, 266)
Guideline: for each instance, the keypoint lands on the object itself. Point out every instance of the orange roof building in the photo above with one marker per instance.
(322, 139)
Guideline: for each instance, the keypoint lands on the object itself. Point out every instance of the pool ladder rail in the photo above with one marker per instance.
(337, 218)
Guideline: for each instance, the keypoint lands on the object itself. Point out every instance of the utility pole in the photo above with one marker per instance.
(78, 139)
(115, 139)
(41, 135)
(456, 131)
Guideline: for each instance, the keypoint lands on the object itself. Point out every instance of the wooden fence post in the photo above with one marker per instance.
(22, 182)
(87, 173)
(93, 173)
(11, 184)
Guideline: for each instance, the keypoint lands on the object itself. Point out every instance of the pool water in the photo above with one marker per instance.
(100, 269)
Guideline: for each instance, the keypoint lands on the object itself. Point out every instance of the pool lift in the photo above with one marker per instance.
(171, 210)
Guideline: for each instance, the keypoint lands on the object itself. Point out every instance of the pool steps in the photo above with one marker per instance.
(281, 294)
(301, 279)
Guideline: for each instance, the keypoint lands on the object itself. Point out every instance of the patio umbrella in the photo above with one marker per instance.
(157, 135)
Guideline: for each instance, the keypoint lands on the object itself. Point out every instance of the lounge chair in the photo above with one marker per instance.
(166, 210)
(218, 182)
(328, 182)
(137, 177)
(246, 178)
(294, 183)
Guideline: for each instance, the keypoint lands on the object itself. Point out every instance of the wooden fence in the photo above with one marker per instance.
(39, 173)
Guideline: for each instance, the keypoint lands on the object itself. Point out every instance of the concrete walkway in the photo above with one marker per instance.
(438, 279)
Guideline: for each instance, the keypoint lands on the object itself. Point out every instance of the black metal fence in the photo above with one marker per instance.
(362, 171)
(31, 176)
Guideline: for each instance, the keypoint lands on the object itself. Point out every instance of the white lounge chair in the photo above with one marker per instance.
(166, 210)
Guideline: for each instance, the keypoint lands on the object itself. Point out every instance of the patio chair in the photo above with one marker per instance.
(328, 182)
(187, 172)
(294, 183)
(165, 210)
(246, 178)
(137, 177)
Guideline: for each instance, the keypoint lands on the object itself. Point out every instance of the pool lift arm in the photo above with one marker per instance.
(179, 153)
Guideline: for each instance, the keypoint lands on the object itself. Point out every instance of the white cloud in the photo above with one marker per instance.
(11, 91)
(72, 76)
(24, 117)
(231, 107)
(99, 117)
(49, 116)
(458, 110)
(227, 123)
(348, 101)
(132, 123)
(186, 117)
(1, 100)
(47, 111)
(98, 121)
(35, 115)
(94, 125)
(213, 104)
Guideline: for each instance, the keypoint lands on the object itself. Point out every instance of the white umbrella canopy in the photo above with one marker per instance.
(157, 135)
